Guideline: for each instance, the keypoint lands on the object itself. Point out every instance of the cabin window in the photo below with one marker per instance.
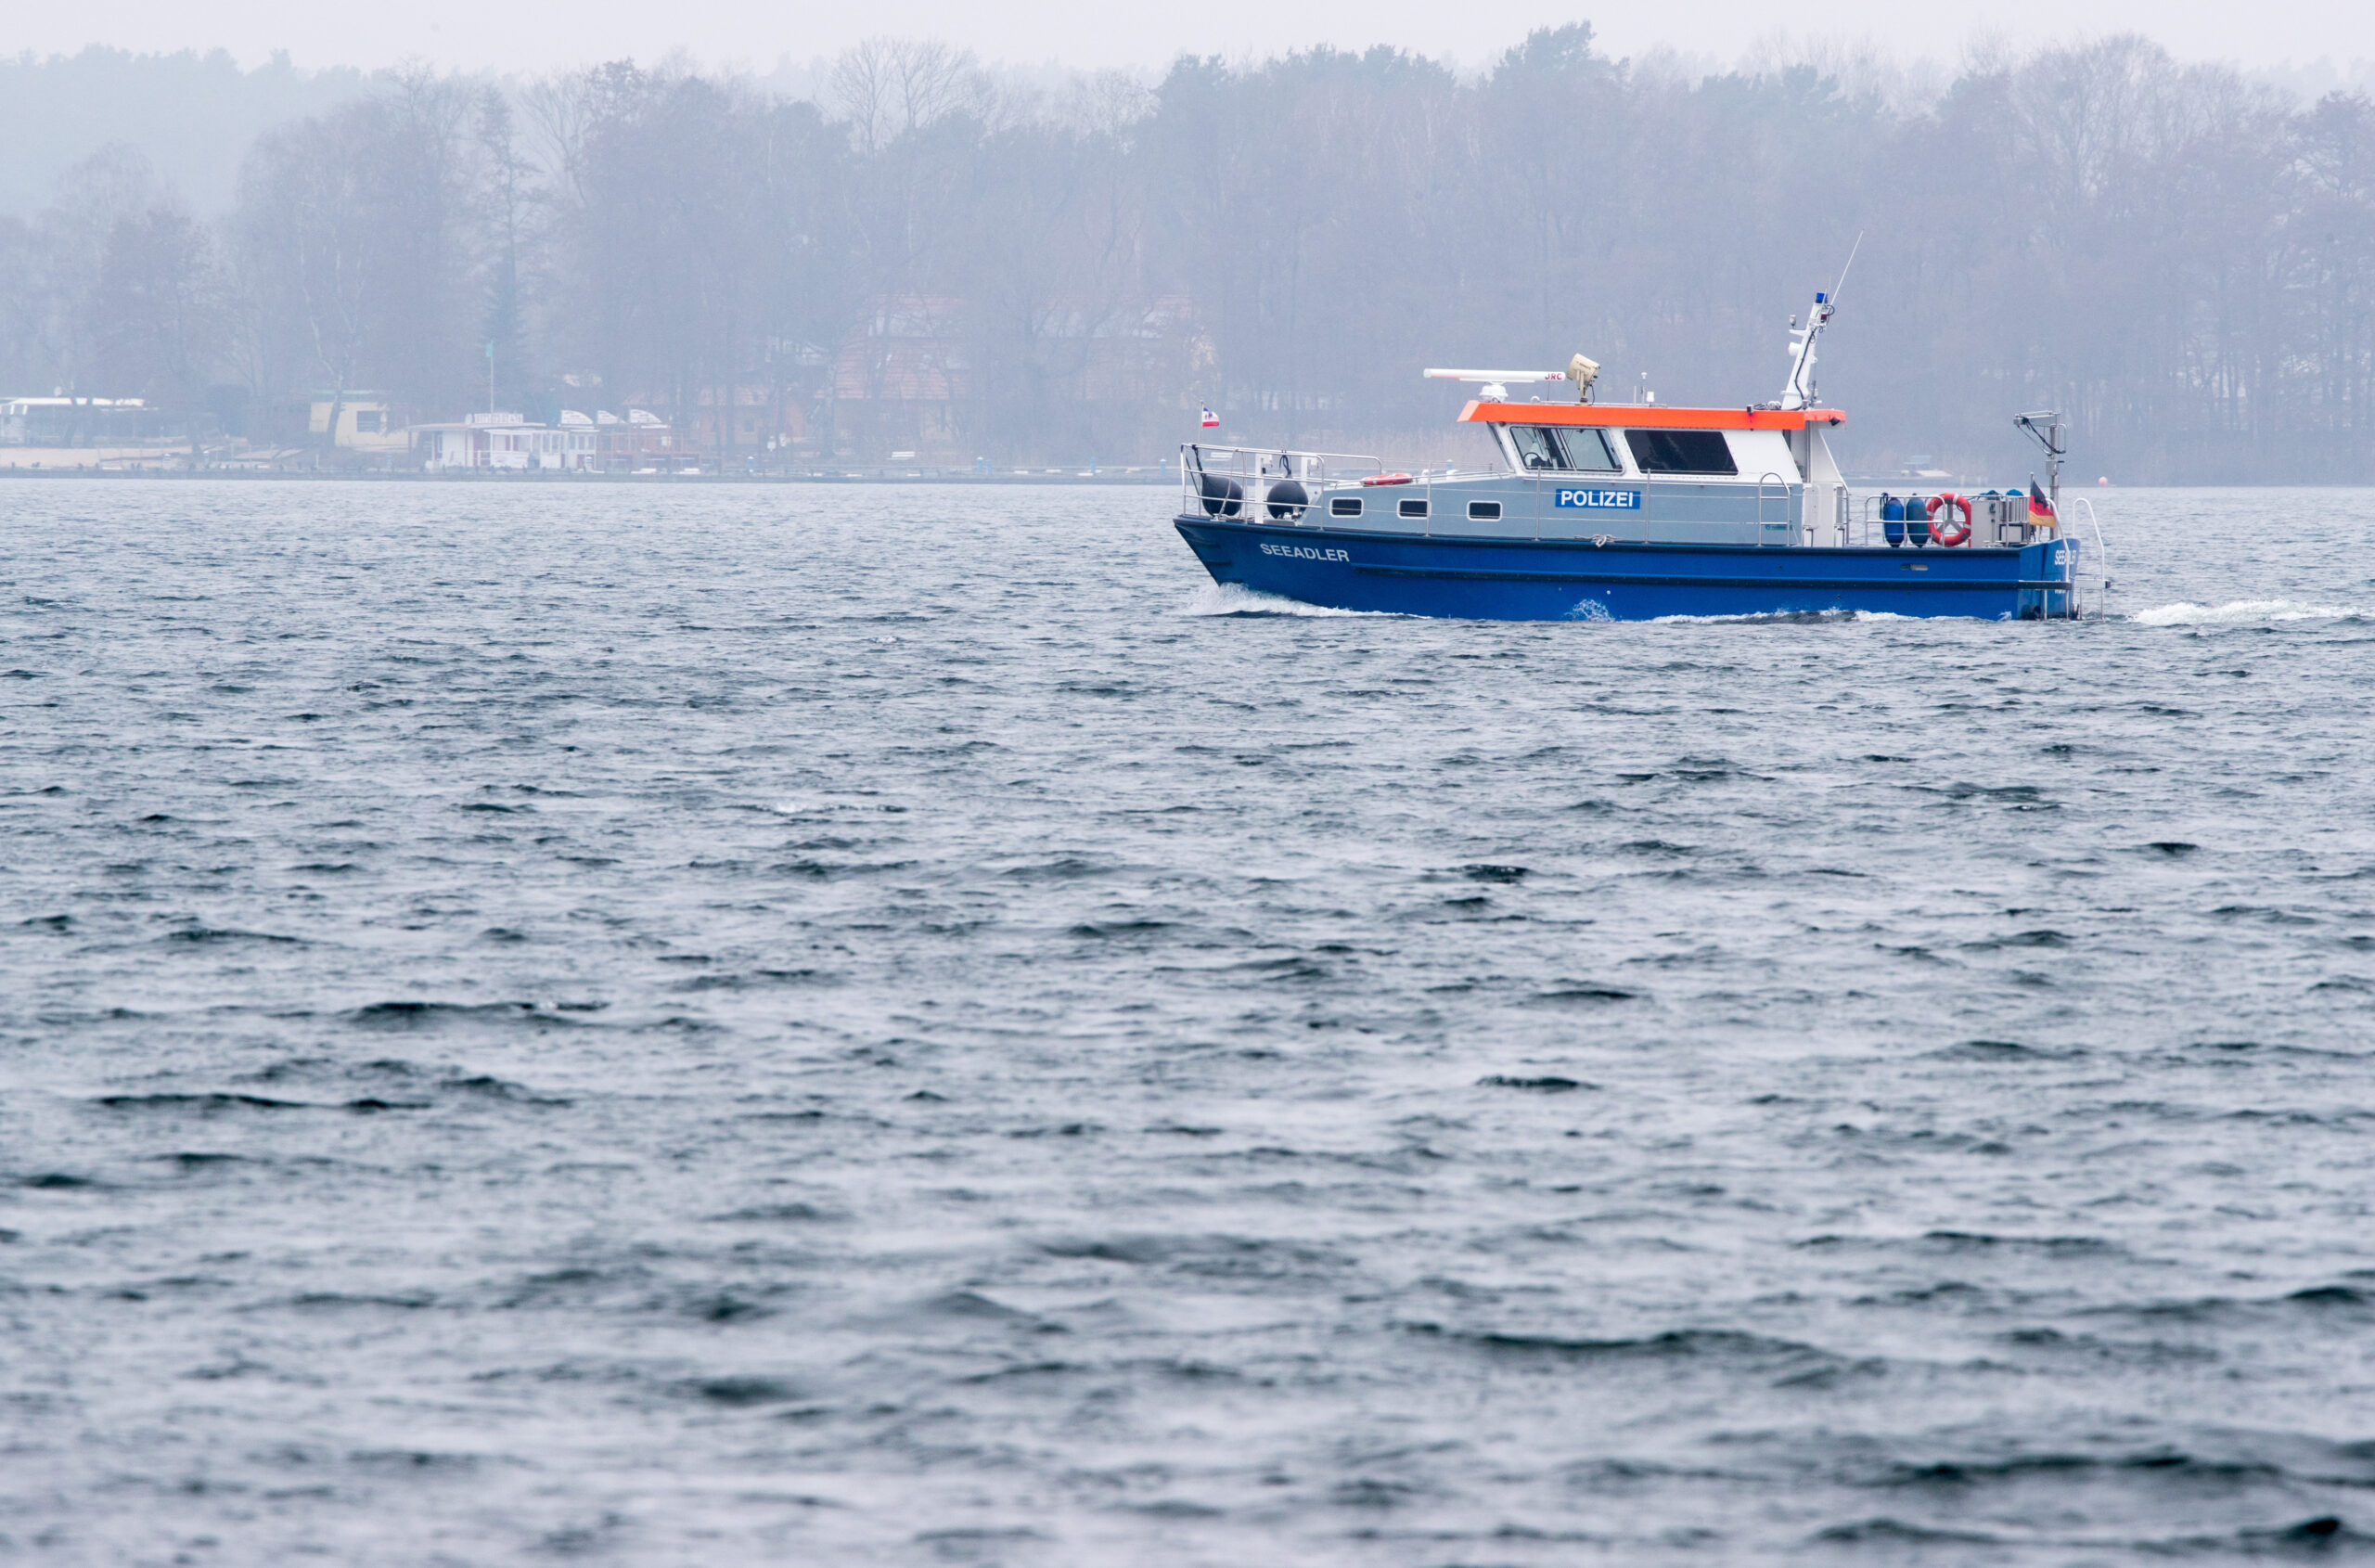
(1343, 506)
(1572, 447)
(367, 422)
(1536, 449)
(1681, 452)
(1483, 511)
(1413, 508)
(1587, 449)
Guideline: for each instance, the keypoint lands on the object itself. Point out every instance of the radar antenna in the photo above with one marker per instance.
(1496, 382)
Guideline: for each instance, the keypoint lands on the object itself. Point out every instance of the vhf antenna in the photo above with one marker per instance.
(1840, 287)
(1799, 391)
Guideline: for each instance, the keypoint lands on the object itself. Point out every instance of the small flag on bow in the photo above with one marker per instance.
(1212, 420)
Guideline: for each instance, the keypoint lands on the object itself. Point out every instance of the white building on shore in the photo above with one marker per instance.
(506, 441)
(641, 442)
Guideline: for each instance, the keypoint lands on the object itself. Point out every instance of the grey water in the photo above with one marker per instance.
(899, 1025)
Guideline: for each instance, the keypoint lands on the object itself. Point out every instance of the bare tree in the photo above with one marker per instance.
(157, 307)
(888, 87)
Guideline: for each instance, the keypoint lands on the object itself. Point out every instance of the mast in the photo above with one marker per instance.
(1799, 392)
(2045, 425)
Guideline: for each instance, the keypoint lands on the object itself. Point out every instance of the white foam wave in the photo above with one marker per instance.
(1780, 618)
(1235, 599)
(2240, 612)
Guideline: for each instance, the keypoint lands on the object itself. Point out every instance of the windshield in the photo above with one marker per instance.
(1535, 447)
(1587, 449)
(1575, 447)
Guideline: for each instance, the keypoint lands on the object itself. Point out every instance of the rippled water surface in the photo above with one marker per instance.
(890, 1025)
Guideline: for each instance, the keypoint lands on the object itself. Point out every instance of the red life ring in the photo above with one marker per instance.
(1387, 479)
(1959, 533)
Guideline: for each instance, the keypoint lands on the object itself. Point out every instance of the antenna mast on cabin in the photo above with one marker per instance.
(1799, 391)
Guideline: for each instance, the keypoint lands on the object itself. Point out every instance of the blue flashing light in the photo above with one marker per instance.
(1820, 296)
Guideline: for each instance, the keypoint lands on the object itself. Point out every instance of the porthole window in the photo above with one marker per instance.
(1483, 511)
(1414, 508)
(1344, 505)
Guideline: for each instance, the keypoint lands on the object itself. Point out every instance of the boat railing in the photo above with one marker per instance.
(2102, 555)
(1768, 477)
(1867, 522)
(1868, 531)
(1264, 483)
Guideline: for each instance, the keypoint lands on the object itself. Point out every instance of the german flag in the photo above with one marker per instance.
(2040, 509)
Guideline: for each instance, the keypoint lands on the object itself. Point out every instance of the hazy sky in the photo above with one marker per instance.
(536, 34)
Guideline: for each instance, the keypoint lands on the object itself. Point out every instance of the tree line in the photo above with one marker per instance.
(2181, 261)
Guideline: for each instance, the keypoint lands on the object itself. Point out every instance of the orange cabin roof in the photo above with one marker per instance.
(1648, 416)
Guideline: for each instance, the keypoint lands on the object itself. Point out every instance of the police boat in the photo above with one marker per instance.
(1630, 511)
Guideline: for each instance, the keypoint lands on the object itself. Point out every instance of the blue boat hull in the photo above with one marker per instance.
(1576, 580)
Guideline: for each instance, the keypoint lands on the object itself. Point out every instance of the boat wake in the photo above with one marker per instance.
(1782, 618)
(1235, 599)
(2243, 612)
